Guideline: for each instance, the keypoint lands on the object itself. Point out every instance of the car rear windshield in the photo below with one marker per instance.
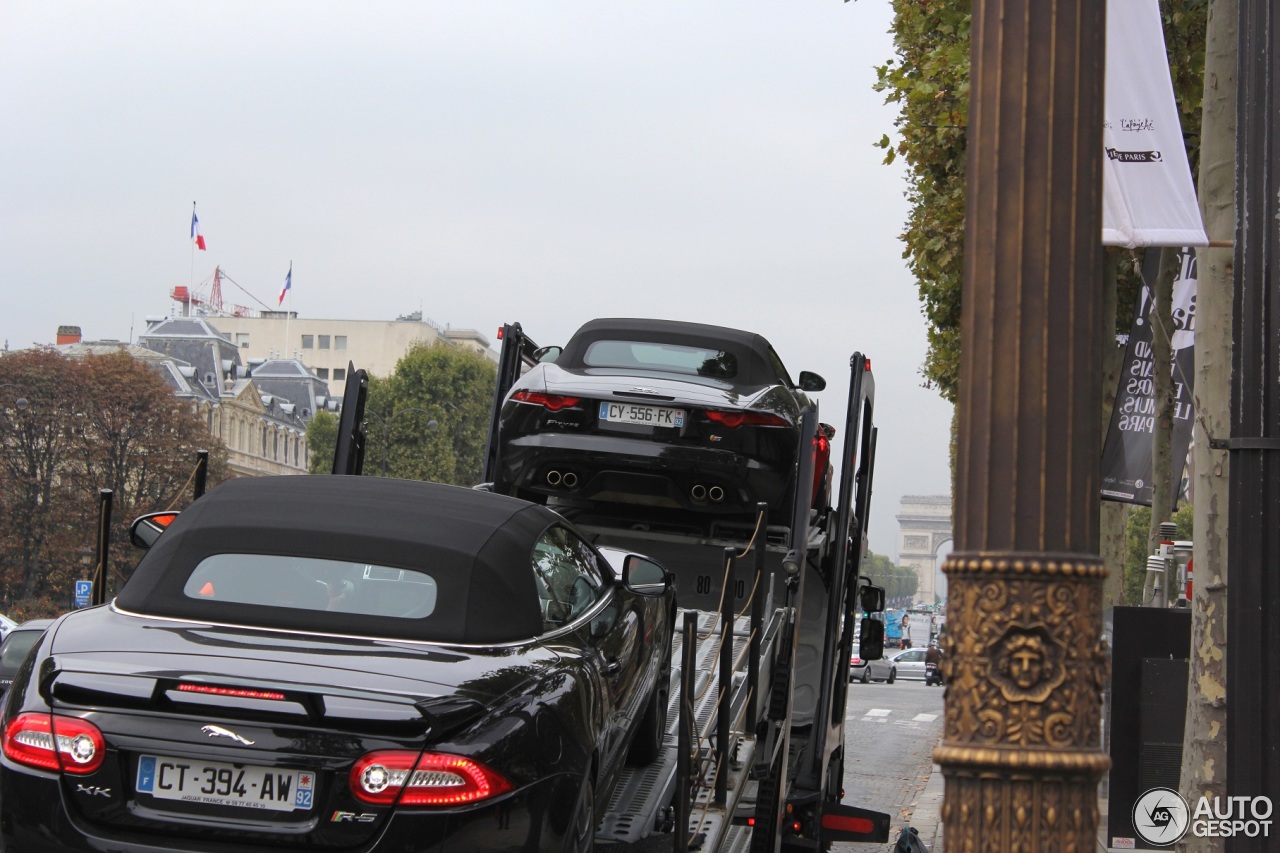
(312, 583)
(662, 357)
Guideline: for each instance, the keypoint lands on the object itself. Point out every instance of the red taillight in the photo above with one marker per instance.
(733, 420)
(72, 746)
(432, 779)
(821, 458)
(237, 692)
(554, 402)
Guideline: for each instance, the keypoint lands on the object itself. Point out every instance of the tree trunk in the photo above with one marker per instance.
(1111, 541)
(1204, 745)
(1162, 395)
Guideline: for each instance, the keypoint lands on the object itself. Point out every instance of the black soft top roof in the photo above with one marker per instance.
(751, 349)
(477, 545)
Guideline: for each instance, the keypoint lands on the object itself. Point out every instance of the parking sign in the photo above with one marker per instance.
(84, 589)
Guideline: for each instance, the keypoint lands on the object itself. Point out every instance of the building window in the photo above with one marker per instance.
(339, 374)
(242, 338)
(323, 373)
(339, 341)
(308, 342)
(262, 451)
(323, 342)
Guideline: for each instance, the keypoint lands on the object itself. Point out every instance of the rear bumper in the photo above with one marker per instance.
(35, 818)
(618, 469)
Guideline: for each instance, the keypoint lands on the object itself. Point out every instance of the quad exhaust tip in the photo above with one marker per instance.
(716, 494)
(698, 492)
(569, 479)
(553, 477)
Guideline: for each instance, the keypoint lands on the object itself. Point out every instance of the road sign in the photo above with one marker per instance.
(84, 589)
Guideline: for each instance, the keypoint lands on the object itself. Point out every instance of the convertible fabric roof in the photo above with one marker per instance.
(475, 544)
(751, 349)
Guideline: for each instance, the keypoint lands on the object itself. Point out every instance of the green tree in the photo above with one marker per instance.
(322, 439)
(899, 582)
(429, 420)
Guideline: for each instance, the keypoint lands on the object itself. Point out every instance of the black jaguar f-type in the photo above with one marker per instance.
(663, 414)
(342, 663)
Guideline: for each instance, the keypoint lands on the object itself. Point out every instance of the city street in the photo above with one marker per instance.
(890, 731)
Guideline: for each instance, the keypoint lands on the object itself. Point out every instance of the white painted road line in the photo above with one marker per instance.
(925, 718)
(878, 712)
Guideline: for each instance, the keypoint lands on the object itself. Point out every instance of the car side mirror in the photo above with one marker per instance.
(810, 381)
(146, 529)
(871, 599)
(644, 577)
(546, 355)
(871, 639)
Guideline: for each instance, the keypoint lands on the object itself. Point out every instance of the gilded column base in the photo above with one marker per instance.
(1025, 665)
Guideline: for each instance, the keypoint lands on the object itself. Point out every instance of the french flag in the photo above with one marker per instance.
(288, 284)
(196, 236)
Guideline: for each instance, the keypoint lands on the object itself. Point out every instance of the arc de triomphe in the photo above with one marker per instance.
(924, 525)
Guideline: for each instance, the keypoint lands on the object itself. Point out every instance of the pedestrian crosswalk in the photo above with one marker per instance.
(886, 715)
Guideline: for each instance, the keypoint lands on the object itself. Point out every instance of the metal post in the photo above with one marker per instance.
(1253, 546)
(1024, 657)
(202, 474)
(98, 594)
(757, 623)
(723, 720)
(684, 739)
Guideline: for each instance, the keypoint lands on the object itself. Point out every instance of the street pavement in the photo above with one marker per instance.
(890, 733)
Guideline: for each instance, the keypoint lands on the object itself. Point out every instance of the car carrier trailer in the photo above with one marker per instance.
(753, 759)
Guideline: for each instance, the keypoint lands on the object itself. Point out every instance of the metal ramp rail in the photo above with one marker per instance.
(640, 806)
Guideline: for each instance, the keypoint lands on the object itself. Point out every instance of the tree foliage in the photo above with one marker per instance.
(928, 80)
(428, 420)
(900, 582)
(70, 428)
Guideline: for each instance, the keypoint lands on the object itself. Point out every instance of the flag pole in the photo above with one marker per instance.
(191, 278)
(288, 280)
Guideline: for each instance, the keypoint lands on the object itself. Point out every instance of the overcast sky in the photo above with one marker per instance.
(484, 162)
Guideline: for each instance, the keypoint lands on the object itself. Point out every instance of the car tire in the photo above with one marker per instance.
(646, 745)
(866, 675)
(582, 829)
(893, 676)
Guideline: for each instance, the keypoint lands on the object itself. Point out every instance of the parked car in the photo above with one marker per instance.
(675, 417)
(6, 625)
(336, 662)
(17, 642)
(908, 664)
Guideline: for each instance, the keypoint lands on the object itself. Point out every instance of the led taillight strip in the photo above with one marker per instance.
(237, 692)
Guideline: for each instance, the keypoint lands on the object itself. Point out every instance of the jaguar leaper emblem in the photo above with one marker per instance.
(219, 731)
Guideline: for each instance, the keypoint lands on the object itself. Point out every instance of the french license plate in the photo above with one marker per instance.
(216, 783)
(630, 413)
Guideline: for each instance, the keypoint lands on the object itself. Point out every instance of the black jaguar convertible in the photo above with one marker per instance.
(667, 416)
(342, 663)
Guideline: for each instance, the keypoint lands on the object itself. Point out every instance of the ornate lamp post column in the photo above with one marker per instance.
(1024, 658)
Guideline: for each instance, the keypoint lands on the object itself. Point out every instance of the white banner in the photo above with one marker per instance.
(1148, 198)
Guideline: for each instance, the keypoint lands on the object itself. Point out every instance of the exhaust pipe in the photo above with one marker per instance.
(698, 492)
(569, 480)
(716, 494)
(553, 477)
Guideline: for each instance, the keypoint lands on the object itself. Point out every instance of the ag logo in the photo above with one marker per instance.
(1160, 816)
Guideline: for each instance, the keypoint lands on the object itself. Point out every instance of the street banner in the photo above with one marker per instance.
(1126, 454)
(1148, 197)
